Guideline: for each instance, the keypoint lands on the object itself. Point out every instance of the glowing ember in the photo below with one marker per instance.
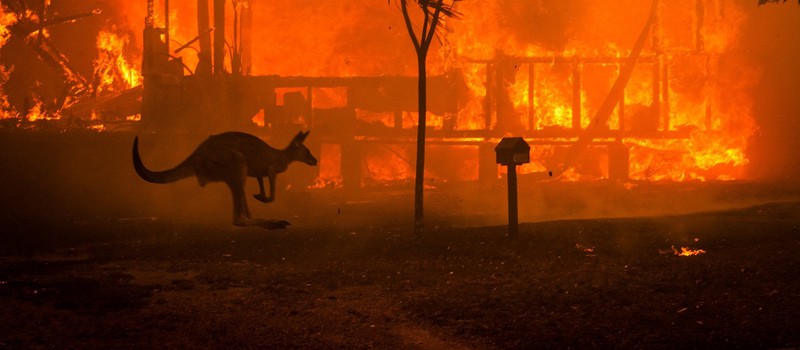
(686, 251)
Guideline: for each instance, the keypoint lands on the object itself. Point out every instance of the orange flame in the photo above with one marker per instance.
(111, 67)
(388, 164)
(705, 111)
(7, 19)
(36, 113)
(686, 251)
(330, 172)
(5, 106)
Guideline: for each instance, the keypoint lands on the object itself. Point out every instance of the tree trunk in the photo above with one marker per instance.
(419, 225)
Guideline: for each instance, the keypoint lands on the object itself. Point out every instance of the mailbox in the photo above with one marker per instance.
(513, 151)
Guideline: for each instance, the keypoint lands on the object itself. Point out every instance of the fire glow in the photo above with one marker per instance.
(111, 69)
(686, 251)
(685, 114)
(112, 72)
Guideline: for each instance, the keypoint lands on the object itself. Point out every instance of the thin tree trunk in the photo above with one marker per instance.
(419, 225)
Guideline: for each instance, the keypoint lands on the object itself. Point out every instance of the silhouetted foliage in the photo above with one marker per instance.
(762, 2)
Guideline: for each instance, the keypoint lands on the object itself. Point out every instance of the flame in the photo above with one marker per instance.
(7, 19)
(686, 251)
(36, 113)
(388, 164)
(471, 116)
(97, 127)
(111, 68)
(258, 119)
(5, 106)
(330, 172)
(698, 129)
(705, 108)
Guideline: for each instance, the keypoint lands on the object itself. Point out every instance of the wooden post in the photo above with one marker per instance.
(657, 89)
(512, 151)
(204, 65)
(203, 26)
(219, 36)
(699, 44)
(246, 51)
(149, 19)
(665, 93)
(576, 95)
(621, 115)
(166, 24)
(487, 100)
(531, 96)
(513, 227)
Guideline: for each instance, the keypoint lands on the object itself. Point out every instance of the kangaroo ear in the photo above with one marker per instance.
(301, 136)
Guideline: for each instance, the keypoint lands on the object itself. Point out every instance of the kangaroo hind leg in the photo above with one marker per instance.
(235, 175)
(241, 213)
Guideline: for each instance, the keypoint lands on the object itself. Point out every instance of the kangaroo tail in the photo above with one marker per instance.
(181, 171)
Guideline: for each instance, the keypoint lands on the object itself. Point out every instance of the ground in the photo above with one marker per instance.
(91, 256)
(152, 282)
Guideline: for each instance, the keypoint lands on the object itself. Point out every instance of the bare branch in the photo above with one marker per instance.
(434, 22)
(423, 36)
(409, 26)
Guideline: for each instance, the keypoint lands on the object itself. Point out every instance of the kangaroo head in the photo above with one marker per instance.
(299, 151)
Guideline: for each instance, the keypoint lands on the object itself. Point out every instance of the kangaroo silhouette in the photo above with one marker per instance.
(231, 157)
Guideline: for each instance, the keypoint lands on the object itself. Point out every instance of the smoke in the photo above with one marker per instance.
(771, 42)
(87, 175)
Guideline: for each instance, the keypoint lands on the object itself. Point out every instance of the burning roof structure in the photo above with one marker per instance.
(601, 89)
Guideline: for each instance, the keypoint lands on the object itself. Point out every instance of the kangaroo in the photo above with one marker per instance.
(230, 158)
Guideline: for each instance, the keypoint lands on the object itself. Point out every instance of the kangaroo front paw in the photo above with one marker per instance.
(263, 198)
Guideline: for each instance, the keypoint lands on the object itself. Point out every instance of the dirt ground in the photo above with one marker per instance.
(93, 257)
(597, 283)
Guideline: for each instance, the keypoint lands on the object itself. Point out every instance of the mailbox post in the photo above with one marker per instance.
(512, 151)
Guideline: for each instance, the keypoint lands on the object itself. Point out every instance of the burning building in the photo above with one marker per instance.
(602, 90)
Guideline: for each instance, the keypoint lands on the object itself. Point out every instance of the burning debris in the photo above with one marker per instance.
(590, 251)
(686, 251)
(112, 71)
(42, 87)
